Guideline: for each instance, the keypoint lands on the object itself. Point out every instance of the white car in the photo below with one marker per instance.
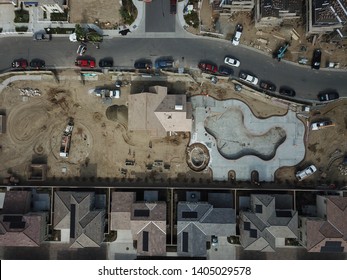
(308, 171)
(249, 78)
(231, 61)
(238, 33)
(320, 125)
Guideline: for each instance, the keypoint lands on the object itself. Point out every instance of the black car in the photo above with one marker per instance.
(287, 91)
(143, 64)
(224, 70)
(316, 59)
(267, 86)
(37, 63)
(327, 96)
(104, 63)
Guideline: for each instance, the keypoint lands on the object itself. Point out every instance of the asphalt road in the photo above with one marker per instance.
(158, 17)
(61, 53)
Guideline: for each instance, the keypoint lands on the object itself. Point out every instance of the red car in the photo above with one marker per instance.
(208, 67)
(20, 63)
(87, 63)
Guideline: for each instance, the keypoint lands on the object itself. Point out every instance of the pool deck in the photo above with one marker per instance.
(289, 153)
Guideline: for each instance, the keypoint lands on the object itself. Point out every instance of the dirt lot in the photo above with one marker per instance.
(105, 13)
(99, 146)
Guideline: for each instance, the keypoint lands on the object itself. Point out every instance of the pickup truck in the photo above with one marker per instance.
(308, 171)
(320, 125)
(42, 37)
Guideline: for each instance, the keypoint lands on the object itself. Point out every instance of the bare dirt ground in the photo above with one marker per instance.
(99, 146)
(325, 148)
(104, 13)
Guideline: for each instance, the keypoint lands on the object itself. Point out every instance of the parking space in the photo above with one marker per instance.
(158, 17)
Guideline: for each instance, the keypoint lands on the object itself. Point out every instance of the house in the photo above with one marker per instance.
(159, 113)
(79, 218)
(197, 223)
(272, 12)
(19, 226)
(144, 220)
(231, 6)
(266, 225)
(327, 17)
(327, 232)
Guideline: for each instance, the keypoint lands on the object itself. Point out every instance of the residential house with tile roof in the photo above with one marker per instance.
(197, 222)
(327, 17)
(79, 221)
(159, 113)
(145, 221)
(19, 226)
(328, 231)
(265, 226)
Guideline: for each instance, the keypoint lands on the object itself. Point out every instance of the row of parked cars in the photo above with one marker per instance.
(22, 63)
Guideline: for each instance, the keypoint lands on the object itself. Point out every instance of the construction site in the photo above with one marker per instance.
(60, 132)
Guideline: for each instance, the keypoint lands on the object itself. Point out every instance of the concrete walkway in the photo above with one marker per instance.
(289, 153)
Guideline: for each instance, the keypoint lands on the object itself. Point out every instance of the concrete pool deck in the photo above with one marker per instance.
(289, 153)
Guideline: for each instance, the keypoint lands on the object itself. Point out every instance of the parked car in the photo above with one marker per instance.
(237, 36)
(308, 171)
(37, 63)
(208, 67)
(86, 63)
(143, 64)
(327, 96)
(267, 86)
(287, 91)
(231, 61)
(40, 36)
(81, 49)
(225, 70)
(249, 78)
(316, 59)
(173, 6)
(321, 124)
(20, 63)
(164, 63)
(105, 63)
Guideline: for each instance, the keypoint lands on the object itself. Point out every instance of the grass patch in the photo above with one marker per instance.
(128, 12)
(21, 16)
(59, 16)
(192, 19)
(59, 30)
(21, 28)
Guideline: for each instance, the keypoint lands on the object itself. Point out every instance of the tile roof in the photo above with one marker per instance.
(272, 8)
(17, 202)
(203, 220)
(333, 227)
(156, 112)
(29, 234)
(75, 211)
(146, 220)
(264, 226)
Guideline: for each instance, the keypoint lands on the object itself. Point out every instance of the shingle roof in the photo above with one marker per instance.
(203, 219)
(269, 224)
(17, 202)
(74, 211)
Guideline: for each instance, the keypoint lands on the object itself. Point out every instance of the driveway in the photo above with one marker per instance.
(158, 17)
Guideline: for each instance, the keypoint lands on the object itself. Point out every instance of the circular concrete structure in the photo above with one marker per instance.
(198, 157)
